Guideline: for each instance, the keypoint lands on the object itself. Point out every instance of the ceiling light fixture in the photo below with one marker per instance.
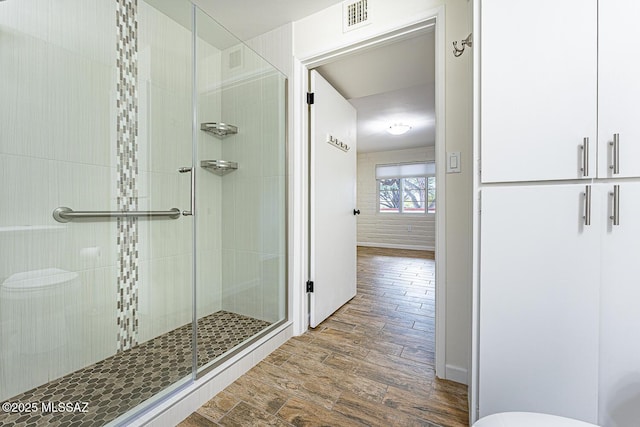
(398, 129)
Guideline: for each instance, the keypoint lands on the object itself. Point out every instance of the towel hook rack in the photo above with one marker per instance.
(466, 42)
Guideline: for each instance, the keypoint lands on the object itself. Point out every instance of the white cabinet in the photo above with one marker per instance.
(559, 300)
(539, 306)
(551, 72)
(619, 399)
(559, 319)
(538, 74)
(618, 87)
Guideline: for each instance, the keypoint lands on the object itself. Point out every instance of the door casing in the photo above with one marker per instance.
(300, 303)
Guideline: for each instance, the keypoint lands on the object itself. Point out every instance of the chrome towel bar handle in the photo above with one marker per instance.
(64, 214)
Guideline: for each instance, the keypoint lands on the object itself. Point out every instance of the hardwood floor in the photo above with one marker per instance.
(370, 364)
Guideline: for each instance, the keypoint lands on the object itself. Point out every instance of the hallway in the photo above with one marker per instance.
(370, 363)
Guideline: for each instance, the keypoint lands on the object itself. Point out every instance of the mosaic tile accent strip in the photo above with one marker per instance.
(127, 167)
(115, 385)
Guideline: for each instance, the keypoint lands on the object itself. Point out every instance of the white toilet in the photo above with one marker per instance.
(40, 318)
(528, 419)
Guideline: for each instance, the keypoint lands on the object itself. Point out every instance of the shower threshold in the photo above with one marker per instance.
(119, 383)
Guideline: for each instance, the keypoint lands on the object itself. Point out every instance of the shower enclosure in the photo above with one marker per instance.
(143, 211)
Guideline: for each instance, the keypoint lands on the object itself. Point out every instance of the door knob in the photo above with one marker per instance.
(356, 211)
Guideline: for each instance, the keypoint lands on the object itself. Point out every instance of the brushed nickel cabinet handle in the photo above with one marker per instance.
(585, 157)
(587, 205)
(615, 144)
(616, 205)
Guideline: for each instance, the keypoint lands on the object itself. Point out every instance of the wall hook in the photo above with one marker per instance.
(466, 42)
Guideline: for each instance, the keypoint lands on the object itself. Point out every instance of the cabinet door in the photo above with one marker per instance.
(539, 287)
(538, 88)
(620, 312)
(618, 87)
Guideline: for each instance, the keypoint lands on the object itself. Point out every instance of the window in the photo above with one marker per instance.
(406, 188)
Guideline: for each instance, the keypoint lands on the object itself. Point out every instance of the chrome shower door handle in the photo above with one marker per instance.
(587, 205)
(615, 144)
(616, 205)
(585, 157)
(192, 186)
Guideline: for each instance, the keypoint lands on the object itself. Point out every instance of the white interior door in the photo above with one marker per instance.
(333, 200)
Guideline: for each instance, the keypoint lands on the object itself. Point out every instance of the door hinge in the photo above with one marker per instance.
(309, 286)
(310, 98)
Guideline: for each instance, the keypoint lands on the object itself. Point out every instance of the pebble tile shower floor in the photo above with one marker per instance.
(115, 385)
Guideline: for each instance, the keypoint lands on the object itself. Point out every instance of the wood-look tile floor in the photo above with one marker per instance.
(370, 364)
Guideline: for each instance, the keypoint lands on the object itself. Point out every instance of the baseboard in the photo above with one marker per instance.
(191, 397)
(456, 374)
(393, 246)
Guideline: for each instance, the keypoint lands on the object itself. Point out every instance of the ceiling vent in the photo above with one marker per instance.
(235, 59)
(355, 15)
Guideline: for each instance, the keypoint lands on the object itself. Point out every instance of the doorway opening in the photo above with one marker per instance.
(396, 79)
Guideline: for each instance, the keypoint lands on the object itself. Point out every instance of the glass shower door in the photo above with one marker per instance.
(96, 298)
(241, 187)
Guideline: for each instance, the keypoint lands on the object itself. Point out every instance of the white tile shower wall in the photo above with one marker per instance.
(165, 108)
(391, 230)
(92, 35)
(209, 185)
(276, 46)
(56, 150)
(61, 114)
(253, 211)
(98, 313)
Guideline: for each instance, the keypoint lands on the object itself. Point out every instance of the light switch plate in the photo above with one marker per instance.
(453, 162)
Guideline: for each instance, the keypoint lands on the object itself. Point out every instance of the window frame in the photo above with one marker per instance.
(401, 210)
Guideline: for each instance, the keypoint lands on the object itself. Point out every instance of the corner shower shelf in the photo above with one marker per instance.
(219, 129)
(219, 167)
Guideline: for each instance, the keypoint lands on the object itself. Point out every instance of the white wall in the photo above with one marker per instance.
(407, 231)
(321, 33)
